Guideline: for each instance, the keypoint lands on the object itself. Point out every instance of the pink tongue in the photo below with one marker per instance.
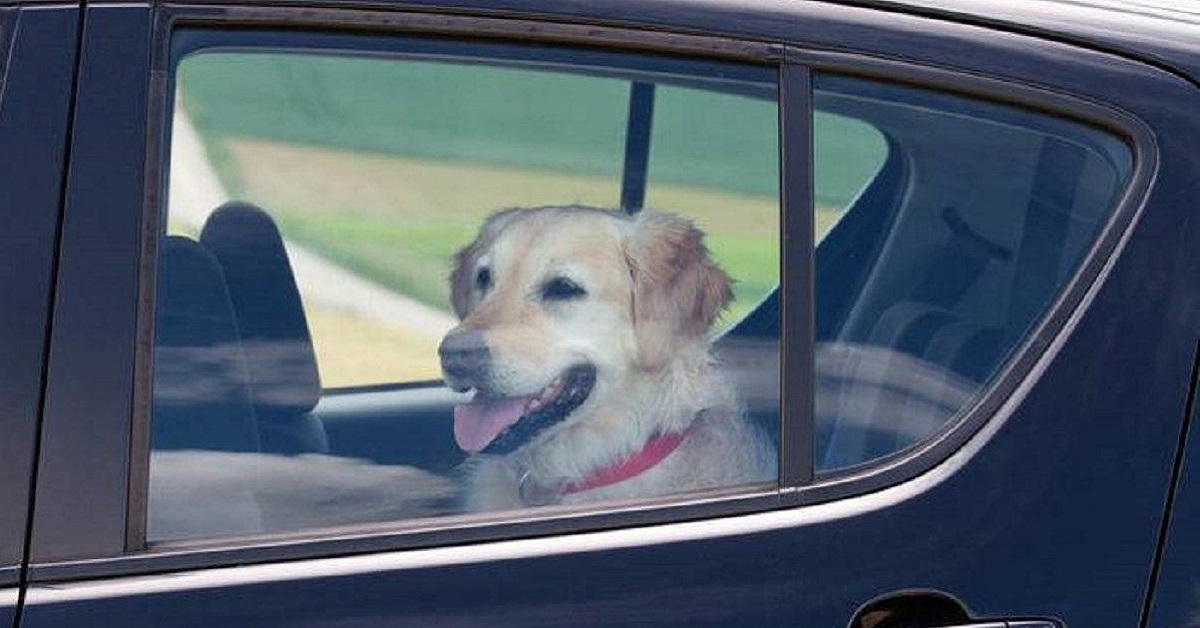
(479, 422)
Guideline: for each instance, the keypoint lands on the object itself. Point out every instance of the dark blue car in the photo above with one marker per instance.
(964, 311)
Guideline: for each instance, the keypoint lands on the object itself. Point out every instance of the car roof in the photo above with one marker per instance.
(1162, 32)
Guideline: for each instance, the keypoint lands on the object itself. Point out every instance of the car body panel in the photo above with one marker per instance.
(1163, 33)
(1176, 601)
(100, 222)
(1040, 514)
(33, 133)
(1161, 36)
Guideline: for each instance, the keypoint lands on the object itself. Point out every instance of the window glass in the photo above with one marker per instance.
(976, 218)
(384, 169)
(725, 175)
(344, 231)
(850, 153)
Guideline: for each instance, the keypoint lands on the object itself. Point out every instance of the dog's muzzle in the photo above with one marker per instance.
(465, 359)
(500, 422)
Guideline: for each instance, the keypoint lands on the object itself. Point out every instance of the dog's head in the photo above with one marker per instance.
(560, 303)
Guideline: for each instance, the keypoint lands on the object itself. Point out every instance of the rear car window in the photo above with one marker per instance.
(338, 239)
(941, 266)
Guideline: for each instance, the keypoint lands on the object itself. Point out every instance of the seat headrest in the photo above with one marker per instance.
(262, 287)
(201, 396)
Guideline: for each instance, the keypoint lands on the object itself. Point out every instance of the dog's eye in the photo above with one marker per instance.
(483, 279)
(561, 289)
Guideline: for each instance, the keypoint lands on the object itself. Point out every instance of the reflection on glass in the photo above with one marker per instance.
(206, 493)
(881, 400)
(945, 257)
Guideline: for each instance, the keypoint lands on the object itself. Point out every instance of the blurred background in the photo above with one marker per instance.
(377, 171)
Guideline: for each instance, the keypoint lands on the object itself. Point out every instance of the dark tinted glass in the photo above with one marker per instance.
(941, 265)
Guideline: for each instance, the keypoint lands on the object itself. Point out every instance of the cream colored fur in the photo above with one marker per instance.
(652, 293)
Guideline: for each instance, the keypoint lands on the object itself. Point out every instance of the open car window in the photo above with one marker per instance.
(560, 235)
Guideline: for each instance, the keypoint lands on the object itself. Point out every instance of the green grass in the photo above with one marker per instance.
(848, 153)
(479, 114)
(408, 157)
(753, 262)
(415, 258)
(411, 258)
(399, 221)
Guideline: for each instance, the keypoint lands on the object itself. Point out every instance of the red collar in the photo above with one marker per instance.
(654, 451)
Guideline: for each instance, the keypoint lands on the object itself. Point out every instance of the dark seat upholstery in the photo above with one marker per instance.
(284, 382)
(201, 396)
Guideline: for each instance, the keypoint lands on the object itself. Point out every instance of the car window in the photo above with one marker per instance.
(345, 230)
(850, 153)
(940, 267)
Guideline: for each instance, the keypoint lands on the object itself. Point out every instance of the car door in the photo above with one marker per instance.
(1174, 590)
(960, 314)
(34, 111)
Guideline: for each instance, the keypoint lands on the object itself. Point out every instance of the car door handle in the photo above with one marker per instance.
(995, 623)
(934, 609)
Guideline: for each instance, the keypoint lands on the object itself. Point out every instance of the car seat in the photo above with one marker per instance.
(201, 396)
(281, 364)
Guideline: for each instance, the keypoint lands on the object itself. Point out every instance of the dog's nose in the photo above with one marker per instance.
(464, 357)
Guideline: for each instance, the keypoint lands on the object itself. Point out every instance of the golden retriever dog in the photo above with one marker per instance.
(584, 337)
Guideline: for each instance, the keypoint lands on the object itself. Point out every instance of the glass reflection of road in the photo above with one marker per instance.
(197, 494)
(871, 401)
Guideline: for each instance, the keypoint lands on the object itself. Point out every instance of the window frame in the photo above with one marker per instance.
(124, 556)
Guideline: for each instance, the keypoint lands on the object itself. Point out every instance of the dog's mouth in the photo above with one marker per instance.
(499, 425)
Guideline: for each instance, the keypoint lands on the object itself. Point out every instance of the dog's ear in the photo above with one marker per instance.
(462, 282)
(463, 297)
(678, 291)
